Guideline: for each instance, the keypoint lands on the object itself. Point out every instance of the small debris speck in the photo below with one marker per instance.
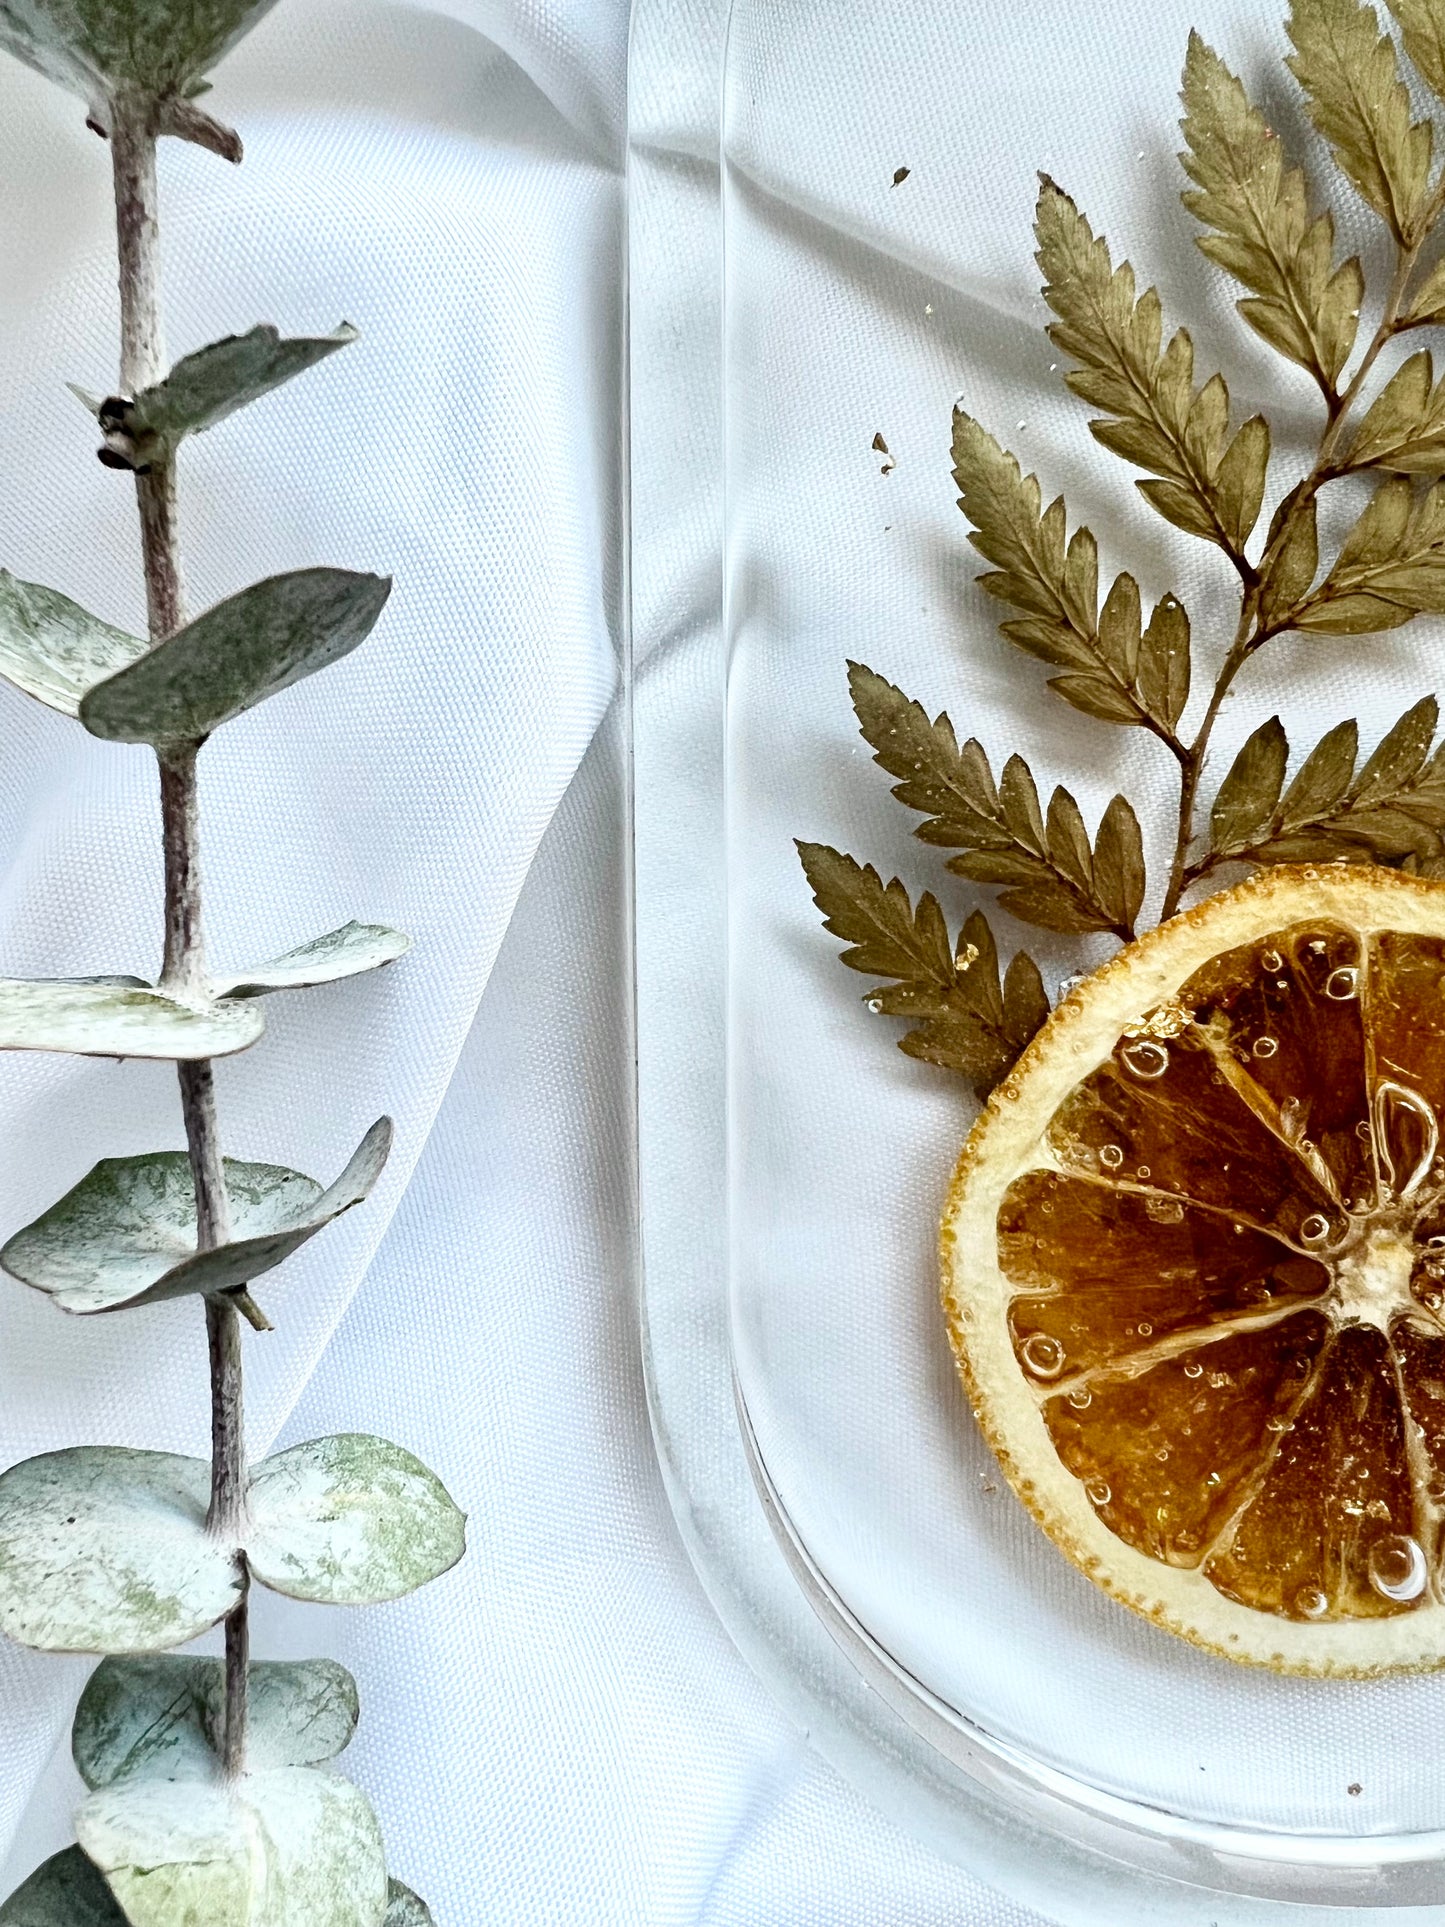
(900, 175)
(928, 307)
(1354, 1788)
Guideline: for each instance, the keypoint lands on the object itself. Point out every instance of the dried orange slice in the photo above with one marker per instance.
(1194, 1273)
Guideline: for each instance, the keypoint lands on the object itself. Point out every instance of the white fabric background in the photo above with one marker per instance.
(558, 1731)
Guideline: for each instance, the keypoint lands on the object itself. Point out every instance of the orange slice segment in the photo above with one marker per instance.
(1194, 1273)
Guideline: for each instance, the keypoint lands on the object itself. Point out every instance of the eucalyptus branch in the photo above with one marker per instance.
(130, 1553)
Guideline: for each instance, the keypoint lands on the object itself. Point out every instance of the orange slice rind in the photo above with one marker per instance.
(1194, 1273)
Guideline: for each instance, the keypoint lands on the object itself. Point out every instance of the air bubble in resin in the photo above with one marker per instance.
(1145, 1057)
(1099, 1491)
(1081, 1398)
(1311, 1603)
(1343, 984)
(1271, 961)
(1193, 1369)
(1111, 1157)
(1397, 1568)
(1314, 1229)
(1264, 1046)
(1044, 1356)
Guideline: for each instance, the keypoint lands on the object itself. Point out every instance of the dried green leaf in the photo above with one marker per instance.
(963, 1020)
(350, 1521)
(1351, 76)
(1399, 760)
(67, 1891)
(1422, 27)
(1428, 304)
(126, 1234)
(1404, 428)
(97, 1017)
(96, 48)
(238, 653)
(1239, 481)
(271, 1849)
(403, 1909)
(1164, 662)
(887, 938)
(162, 1717)
(203, 389)
(1119, 863)
(1047, 870)
(1158, 421)
(104, 1550)
(53, 649)
(1392, 812)
(1249, 793)
(345, 952)
(976, 1026)
(1291, 566)
(1263, 235)
(1052, 580)
(1391, 566)
(1068, 841)
(1322, 779)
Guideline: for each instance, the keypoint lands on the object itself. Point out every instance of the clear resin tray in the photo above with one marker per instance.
(795, 295)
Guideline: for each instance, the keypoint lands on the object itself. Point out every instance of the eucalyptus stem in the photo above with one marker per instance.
(133, 145)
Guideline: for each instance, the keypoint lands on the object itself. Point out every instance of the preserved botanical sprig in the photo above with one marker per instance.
(1266, 225)
(212, 1797)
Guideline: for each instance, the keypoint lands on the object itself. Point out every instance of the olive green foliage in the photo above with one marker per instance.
(1208, 474)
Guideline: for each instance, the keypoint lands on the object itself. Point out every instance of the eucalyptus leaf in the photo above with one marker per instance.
(350, 1521)
(126, 1234)
(160, 1716)
(102, 1017)
(105, 1550)
(276, 1848)
(346, 952)
(249, 647)
(98, 47)
(69, 1891)
(403, 1909)
(53, 649)
(204, 388)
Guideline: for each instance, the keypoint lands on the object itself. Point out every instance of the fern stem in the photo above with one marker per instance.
(1248, 637)
(133, 149)
(1191, 768)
